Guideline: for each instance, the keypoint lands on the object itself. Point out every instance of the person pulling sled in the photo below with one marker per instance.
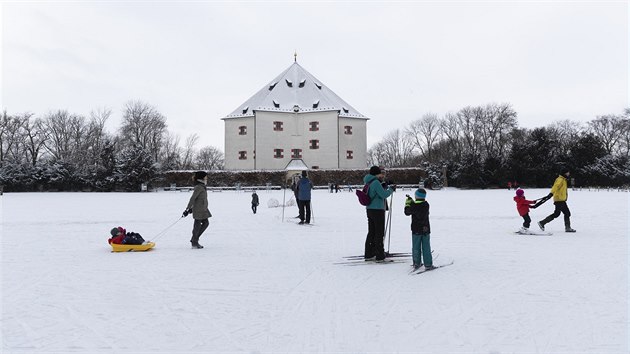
(198, 206)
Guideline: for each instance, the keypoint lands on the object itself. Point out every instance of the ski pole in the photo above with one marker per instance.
(163, 231)
(284, 197)
(391, 208)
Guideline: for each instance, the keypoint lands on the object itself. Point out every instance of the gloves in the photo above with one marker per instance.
(186, 212)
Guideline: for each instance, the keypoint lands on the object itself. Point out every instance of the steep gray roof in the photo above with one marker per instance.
(295, 86)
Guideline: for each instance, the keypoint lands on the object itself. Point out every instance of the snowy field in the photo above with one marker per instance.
(264, 285)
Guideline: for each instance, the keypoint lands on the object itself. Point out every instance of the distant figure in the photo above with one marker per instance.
(255, 202)
(560, 195)
(509, 185)
(304, 187)
(198, 206)
(420, 229)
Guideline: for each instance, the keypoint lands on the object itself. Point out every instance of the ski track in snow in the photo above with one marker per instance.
(264, 285)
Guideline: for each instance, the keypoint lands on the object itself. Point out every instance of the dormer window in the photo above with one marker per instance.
(242, 130)
(319, 86)
(347, 130)
(272, 86)
(315, 104)
(345, 110)
(289, 82)
(314, 126)
(302, 83)
(277, 126)
(245, 109)
(276, 104)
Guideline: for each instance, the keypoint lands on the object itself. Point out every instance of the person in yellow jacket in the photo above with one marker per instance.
(560, 194)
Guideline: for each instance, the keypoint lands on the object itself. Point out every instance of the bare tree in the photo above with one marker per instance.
(143, 126)
(424, 133)
(189, 151)
(10, 138)
(64, 134)
(209, 158)
(564, 132)
(394, 150)
(171, 152)
(34, 138)
(496, 121)
(609, 129)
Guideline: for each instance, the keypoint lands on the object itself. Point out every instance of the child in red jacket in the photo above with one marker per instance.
(118, 235)
(523, 205)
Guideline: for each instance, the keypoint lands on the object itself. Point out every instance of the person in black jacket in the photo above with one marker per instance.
(255, 202)
(420, 229)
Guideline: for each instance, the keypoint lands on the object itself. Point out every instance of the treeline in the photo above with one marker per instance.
(66, 151)
(483, 146)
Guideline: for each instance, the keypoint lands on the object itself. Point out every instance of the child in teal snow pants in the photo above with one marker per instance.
(418, 209)
(421, 249)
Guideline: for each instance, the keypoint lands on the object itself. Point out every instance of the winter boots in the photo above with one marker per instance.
(196, 245)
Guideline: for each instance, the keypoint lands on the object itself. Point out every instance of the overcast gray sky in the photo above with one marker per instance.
(197, 61)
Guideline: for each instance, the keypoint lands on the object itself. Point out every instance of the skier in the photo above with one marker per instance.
(374, 248)
(560, 195)
(303, 188)
(420, 229)
(198, 206)
(522, 206)
(255, 202)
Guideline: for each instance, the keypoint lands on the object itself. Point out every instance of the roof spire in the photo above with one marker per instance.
(295, 56)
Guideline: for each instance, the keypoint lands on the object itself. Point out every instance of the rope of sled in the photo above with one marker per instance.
(162, 233)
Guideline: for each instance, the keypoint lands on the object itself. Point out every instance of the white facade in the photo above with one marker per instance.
(295, 116)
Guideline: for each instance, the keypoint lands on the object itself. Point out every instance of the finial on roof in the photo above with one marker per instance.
(295, 56)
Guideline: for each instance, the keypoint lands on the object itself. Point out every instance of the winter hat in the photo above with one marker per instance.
(114, 231)
(564, 170)
(375, 170)
(200, 174)
(421, 193)
(304, 173)
(520, 192)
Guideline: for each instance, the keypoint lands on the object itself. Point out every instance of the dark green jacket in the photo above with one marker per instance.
(199, 202)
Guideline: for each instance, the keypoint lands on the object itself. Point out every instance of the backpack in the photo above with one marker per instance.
(362, 194)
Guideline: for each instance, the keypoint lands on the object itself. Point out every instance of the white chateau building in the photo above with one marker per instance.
(295, 116)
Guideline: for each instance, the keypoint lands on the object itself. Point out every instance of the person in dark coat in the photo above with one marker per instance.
(304, 187)
(198, 206)
(374, 248)
(255, 202)
(420, 229)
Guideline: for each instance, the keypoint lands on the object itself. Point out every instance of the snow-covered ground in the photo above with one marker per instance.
(263, 285)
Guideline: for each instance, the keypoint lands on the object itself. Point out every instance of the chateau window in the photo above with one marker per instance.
(296, 153)
(278, 153)
(242, 155)
(345, 110)
(349, 154)
(302, 82)
(242, 130)
(277, 126)
(314, 126)
(314, 144)
(347, 130)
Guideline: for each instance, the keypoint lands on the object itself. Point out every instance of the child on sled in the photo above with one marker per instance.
(120, 236)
